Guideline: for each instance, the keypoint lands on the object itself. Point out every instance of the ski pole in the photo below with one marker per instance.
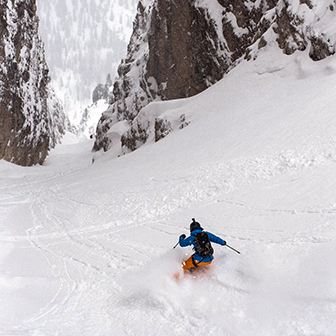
(176, 245)
(232, 248)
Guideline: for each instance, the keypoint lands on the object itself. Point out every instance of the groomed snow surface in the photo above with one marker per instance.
(86, 248)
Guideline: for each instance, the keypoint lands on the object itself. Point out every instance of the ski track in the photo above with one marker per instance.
(82, 236)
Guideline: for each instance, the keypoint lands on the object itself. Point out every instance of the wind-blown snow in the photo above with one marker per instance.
(87, 248)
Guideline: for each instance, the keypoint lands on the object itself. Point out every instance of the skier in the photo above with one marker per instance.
(201, 241)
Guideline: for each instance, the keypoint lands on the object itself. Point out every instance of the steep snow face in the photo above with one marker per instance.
(86, 249)
(85, 41)
(31, 117)
(180, 48)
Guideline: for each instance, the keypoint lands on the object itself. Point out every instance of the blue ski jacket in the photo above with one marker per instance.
(191, 241)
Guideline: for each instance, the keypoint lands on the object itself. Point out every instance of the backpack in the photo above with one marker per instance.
(204, 248)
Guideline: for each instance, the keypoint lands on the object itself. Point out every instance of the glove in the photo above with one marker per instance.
(183, 236)
(224, 243)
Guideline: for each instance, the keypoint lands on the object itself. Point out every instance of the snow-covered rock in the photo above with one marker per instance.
(180, 48)
(31, 116)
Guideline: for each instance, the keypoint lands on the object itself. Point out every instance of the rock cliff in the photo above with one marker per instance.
(31, 117)
(181, 47)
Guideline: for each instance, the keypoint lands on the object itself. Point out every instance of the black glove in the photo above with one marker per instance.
(183, 236)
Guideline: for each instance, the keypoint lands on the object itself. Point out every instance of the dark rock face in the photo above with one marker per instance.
(181, 47)
(31, 117)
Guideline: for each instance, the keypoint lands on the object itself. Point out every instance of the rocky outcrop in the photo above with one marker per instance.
(174, 52)
(31, 117)
(181, 47)
(184, 49)
(102, 91)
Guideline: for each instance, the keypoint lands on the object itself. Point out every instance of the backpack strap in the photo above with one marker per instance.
(194, 261)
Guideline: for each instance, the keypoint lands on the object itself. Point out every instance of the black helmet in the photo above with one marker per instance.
(195, 225)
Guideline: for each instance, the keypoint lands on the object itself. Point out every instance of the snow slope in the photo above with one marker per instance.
(86, 249)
